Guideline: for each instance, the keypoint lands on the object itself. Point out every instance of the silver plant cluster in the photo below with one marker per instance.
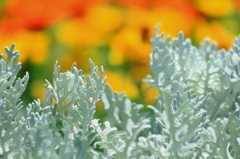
(197, 115)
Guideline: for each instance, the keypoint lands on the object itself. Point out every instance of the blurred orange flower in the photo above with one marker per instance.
(36, 14)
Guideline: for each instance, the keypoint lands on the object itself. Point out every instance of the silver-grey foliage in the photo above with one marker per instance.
(197, 115)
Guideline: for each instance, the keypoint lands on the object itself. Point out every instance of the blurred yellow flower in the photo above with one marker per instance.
(149, 95)
(132, 42)
(34, 45)
(105, 18)
(173, 21)
(216, 32)
(137, 32)
(92, 30)
(75, 32)
(216, 8)
(125, 45)
(120, 82)
(37, 89)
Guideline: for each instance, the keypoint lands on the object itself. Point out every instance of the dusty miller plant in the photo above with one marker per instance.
(197, 115)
